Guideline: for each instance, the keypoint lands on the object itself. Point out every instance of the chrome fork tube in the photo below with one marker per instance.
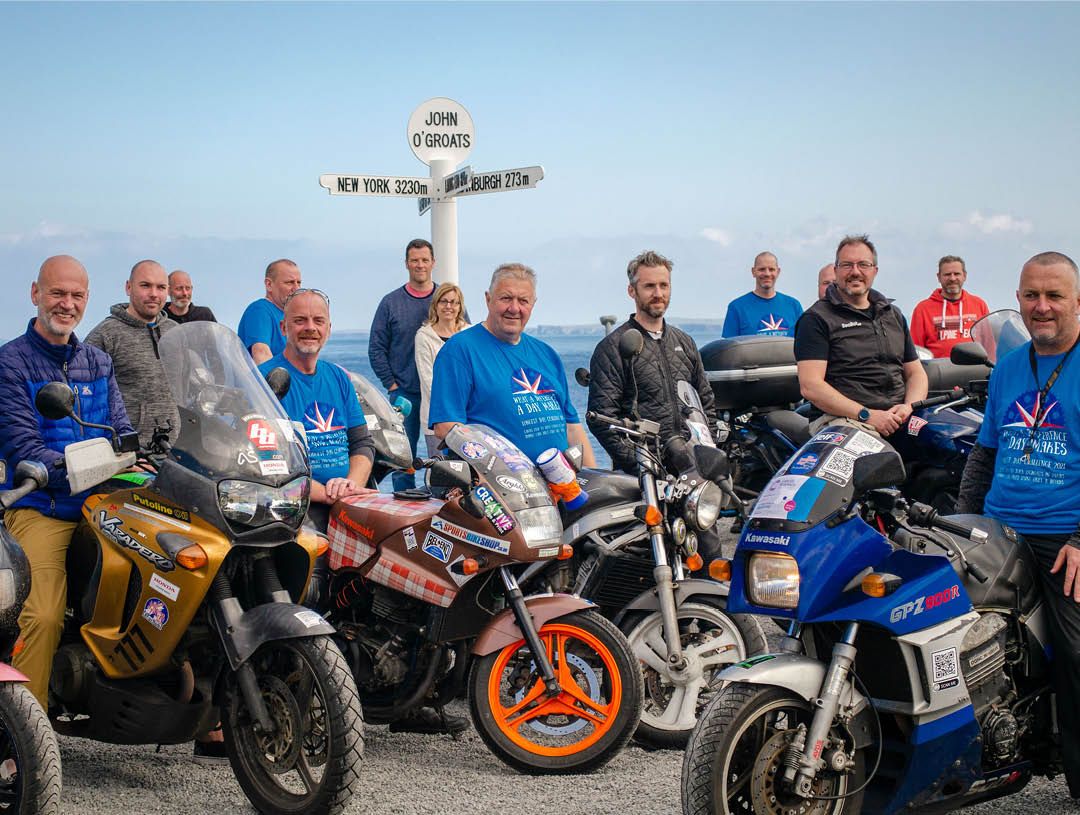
(665, 588)
(528, 629)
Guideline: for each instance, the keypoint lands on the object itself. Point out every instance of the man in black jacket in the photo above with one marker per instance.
(668, 357)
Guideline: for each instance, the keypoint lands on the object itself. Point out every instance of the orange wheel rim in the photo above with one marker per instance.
(573, 701)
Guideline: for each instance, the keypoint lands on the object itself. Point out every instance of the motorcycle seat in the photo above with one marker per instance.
(791, 424)
(605, 488)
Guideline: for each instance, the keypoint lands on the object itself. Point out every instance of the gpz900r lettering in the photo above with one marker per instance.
(114, 531)
(924, 603)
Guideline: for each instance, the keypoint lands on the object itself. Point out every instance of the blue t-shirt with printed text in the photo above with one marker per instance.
(1040, 495)
(751, 315)
(326, 404)
(519, 390)
(261, 322)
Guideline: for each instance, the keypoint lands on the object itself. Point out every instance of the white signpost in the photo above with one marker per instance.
(441, 135)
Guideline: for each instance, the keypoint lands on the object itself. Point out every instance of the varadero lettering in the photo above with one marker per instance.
(114, 531)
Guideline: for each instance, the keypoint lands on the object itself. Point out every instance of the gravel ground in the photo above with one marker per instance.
(420, 775)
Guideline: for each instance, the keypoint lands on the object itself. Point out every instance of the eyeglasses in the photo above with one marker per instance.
(449, 303)
(319, 292)
(862, 265)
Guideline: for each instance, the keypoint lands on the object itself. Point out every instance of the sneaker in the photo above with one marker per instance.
(430, 721)
(210, 754)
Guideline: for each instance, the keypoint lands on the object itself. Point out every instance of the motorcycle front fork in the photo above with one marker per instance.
(664, 577)
(805, 760)
(528, 629)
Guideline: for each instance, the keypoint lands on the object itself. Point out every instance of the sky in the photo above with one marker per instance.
(195, 134)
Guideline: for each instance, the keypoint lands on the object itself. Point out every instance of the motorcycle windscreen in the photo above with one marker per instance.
(512, 474)
(231, 422)
(1000, 332)
(816, 481)
(694, 414)
(386, 425)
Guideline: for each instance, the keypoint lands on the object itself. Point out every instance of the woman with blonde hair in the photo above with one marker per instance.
(446, 317)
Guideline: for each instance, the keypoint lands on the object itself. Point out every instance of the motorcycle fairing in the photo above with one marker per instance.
(142, 603)
(795, 672)
(612, 500)
(359, 522)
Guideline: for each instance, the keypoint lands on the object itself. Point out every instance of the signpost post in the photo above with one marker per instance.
(441, 135)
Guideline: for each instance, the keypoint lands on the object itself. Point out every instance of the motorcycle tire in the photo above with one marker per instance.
(712, 640)
(29, 755)
(735, 758)
(583, 727)
(318, 740)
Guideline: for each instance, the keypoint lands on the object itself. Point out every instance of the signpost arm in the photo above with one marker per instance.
(444, 224)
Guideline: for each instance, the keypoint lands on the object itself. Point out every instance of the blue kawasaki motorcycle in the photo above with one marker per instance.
(914, 673)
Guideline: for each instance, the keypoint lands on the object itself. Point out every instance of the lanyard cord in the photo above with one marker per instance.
(1044, 392)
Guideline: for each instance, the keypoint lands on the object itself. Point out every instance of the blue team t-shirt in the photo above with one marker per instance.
(755, 316)
(326, 404)
(1040, 496)
(261, 322)
(519, 390)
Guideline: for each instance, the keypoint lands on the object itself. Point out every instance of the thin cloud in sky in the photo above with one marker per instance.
(716, 235)
(976, 223)
(813, 237)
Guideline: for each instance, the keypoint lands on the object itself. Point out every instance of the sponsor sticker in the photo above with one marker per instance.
(829, 437)
(438, 548)
(622, 512)
(159, 507)
(944, 665)
(474, 450)
(862, 443)
(838, 467)
(246, 457)
(552, 552)
(468, 536)
(372, 421)
(803, 464)
(457, 577)
(273, 468)
(790, 497)
(494, 511)
(915, 424)
(309, 618)
(261, 434)
(410, 537)
(164, 587)
(156, 613)
(509, 484)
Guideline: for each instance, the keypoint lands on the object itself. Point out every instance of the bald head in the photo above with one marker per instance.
(180, 291)
(147, 288)
(282, 279)
(826, 275)
(307, 327)
(60, 294)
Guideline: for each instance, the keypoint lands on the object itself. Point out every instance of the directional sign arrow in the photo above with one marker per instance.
(424, 204)
(457, 181)
(392, 185)
(520, 178)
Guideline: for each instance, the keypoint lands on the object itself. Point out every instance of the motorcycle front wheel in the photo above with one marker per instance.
(29, 756)
(711, 640)
(310, 762)
(582, 727)
(735, 758)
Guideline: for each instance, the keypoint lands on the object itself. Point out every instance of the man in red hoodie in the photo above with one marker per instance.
(945, 317)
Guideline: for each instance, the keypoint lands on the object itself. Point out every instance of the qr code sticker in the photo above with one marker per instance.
(837, 467)
(944, 664)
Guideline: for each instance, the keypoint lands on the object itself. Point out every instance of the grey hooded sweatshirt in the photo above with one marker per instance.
(132, 344)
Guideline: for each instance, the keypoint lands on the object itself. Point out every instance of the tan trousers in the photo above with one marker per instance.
(45, 541)
(825, 420)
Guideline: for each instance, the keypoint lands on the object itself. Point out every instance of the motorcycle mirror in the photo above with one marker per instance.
(55, 401)
(712, 463)
(582, 376)
(877, 471)
(631, 343)
(279, 381)
(127, 443)
(969, 353)
(677, 455)
(450, 474)
(33, 471)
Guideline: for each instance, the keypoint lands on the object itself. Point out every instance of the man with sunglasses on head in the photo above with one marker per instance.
(856, 362)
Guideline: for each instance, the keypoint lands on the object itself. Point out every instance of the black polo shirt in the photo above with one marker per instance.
(865, 348)
(194, 314)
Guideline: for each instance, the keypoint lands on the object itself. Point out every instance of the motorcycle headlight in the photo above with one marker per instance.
(540, 526)
(703, 506)
(773, 580)
(251, 504)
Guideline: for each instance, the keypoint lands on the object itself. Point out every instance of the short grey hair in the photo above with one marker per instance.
(1053, 259)
(518, 271)
(646, 258)
(851, 240)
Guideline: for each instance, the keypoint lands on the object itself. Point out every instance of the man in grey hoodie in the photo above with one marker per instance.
(130, 336)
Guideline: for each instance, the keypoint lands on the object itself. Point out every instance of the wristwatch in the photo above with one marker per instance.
(863, 415)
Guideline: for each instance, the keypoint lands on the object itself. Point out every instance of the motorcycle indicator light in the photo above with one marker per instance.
(720, 569)
(653, 516)
(470, 565)
(879, 584)
(566, 551)
(192, 557)
(694, 562)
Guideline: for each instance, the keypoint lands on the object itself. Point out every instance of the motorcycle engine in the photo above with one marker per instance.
(982, 663)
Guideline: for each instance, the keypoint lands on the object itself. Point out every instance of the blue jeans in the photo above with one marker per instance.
(405, 481)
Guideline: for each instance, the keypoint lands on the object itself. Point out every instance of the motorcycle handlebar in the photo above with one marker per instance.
(643, 426)
(923, 515)
(952, 396)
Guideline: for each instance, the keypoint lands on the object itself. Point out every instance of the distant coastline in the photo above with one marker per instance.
(698, 326)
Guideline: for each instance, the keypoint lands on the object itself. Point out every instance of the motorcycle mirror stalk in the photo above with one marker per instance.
(57, 401)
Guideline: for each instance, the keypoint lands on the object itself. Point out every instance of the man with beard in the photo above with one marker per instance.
(130, 335)
(856, 362)
(44, 521)
(763, 312)
(180, 308)
(826, 276)
(260, 324)
(1025, 468)
(323, 400)
(944, 319)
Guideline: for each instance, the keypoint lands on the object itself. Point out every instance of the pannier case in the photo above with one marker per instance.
(752, 372)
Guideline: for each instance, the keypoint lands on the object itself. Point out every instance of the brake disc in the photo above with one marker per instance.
(766, 789)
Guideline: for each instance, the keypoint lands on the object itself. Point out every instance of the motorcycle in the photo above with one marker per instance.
(630, 542)
(428, 609)
(386, 423)
(184, 584)
(29, 755)
(913, 676)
